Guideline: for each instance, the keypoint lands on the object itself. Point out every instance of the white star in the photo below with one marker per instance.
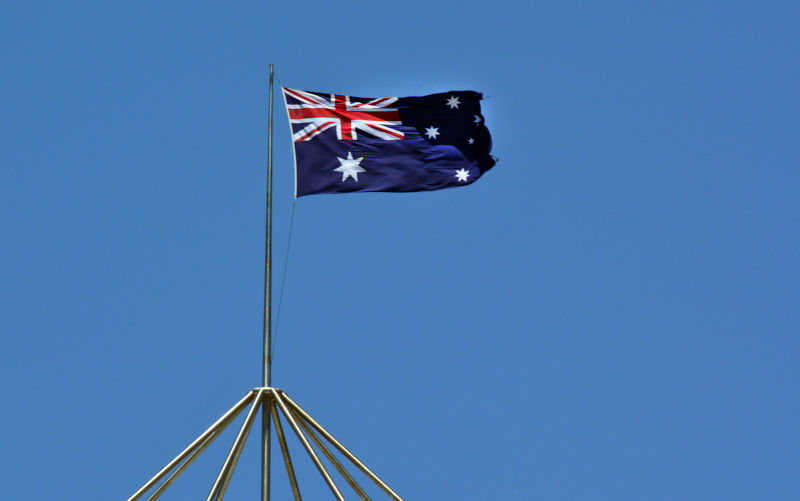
(462, 175)
(470, 141)
(350, 167)
(453, 102)
(477, 120)
(432, 132)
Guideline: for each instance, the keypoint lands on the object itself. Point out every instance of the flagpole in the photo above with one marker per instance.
(266, 379)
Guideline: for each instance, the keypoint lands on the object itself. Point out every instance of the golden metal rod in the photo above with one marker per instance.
(308, 447)
(234, 411)
(221, 483)
(328, 454)
(349, 455)
(185, 464)
(287, 459)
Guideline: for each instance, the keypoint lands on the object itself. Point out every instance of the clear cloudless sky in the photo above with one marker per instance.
(611, 313)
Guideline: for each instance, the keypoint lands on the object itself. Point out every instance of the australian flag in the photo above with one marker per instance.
(345, 144)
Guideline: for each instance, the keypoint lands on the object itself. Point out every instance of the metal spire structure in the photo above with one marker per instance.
(272, 402)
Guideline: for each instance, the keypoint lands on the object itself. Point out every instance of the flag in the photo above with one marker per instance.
(345, 144)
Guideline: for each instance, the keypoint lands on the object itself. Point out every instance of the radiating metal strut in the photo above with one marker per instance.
(271, 402)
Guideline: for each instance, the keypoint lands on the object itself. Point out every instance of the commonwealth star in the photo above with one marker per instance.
(350, 167)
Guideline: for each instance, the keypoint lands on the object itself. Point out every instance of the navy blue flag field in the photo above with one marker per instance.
(345, 144)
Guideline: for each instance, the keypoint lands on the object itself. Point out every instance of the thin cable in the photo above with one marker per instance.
(283, 279)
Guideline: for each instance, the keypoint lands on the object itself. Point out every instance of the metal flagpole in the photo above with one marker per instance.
(270, 401)
(266, 378)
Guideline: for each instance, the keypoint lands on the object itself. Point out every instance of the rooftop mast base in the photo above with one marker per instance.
(272, 402)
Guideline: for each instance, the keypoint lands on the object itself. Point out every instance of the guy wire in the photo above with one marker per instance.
(283, 278)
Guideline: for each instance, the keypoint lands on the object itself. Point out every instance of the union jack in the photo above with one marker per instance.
(322, 113)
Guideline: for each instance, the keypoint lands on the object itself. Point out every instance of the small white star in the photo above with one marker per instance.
(453, 102)
(432, 132)
(477, 120)
(462, 175)
(350, 167)
(471, 141)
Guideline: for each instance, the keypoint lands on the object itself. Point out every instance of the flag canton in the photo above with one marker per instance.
(346, 143)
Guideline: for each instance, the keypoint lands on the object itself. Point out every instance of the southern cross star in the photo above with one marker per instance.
(453, 102)
(477, 120)
(470, 141)
(462, 175)
(350, 167)
(432, 132)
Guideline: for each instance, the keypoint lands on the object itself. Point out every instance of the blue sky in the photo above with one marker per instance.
(610, 313)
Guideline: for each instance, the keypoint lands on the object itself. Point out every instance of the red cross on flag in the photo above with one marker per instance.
(320, 113)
